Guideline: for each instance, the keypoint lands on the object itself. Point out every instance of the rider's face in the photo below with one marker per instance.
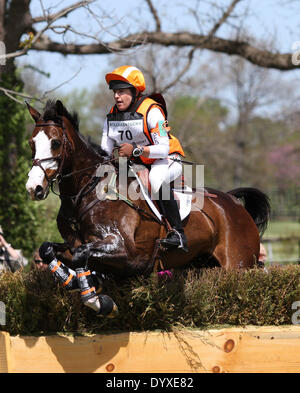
(123, 98)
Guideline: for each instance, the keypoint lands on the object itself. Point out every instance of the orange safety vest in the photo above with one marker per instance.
(143, 109)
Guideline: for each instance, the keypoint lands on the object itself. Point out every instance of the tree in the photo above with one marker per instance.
(23, 31)
(18, 216)
(16, 21)
(245, 48)
(199, 125)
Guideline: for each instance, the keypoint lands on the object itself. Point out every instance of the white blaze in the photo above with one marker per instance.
(42, 150)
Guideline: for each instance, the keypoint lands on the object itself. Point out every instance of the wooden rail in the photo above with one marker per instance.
(250, 350)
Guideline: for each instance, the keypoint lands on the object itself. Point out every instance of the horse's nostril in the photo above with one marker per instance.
(39, 194)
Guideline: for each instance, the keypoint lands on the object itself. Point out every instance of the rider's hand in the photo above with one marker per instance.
(2, 241)
(46, 252)
(126, 150)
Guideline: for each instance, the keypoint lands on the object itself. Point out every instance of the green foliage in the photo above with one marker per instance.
(241, 153)
(283, 229)
(18, 216)
(92, 107)
(48, 230)
(192, 298)
(200, 126)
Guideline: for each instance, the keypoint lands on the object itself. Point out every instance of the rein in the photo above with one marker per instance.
(94, 180)
(61, 158)
(183, 161)
(87, 188)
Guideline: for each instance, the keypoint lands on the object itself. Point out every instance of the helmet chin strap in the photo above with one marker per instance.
(135, 92)
(135, 96)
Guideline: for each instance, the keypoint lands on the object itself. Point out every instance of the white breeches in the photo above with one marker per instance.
(164, 171)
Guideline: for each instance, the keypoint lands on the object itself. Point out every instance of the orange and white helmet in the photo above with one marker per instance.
(127, 76)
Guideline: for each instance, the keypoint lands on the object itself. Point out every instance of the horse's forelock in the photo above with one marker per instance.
(50, 113)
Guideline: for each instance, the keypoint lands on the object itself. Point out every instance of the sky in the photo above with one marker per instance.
(267, 19)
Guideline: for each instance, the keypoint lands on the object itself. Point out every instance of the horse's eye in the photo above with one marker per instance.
(55, 144)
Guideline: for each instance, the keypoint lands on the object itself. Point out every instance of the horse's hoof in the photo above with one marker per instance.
(108, 307)
(46, 252)
(114, 312)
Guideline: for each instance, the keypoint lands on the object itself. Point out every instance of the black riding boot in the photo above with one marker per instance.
(176, 238)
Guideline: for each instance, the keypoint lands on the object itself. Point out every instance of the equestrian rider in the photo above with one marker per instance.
(136, 124)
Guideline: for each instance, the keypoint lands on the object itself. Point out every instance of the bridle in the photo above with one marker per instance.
(60, 157)
(87, 188)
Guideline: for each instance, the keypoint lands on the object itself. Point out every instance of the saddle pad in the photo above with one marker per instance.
(183, 196)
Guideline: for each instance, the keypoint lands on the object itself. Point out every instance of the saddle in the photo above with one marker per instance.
(183, 195)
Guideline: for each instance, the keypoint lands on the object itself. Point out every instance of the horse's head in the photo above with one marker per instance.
(48, 143)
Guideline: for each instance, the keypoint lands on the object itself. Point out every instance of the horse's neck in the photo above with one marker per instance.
(81, 163)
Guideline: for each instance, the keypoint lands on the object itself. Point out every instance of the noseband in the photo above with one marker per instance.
(60, 157)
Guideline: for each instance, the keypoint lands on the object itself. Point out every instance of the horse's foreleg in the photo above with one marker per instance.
(102, 255)
(64, 275)
(105, 255)
(88, 284)
(102, 304)
(64, 252)
(64, 256)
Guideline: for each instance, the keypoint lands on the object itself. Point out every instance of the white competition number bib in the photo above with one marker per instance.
(127, 131)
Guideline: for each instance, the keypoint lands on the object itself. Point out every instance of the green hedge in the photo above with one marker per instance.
(19, 217)
(193, 298)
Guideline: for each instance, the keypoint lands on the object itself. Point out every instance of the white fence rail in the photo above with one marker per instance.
(271, 254)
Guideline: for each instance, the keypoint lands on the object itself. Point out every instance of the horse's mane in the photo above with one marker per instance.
(50, 113)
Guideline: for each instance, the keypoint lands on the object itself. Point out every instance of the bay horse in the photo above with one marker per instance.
(112, 236)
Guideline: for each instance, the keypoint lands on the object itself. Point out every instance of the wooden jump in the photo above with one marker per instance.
(249, 349)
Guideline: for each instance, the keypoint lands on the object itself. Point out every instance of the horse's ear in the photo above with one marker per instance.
(34, 113)
(59, 108)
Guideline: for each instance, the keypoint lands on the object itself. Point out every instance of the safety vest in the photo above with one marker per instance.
(128, 127)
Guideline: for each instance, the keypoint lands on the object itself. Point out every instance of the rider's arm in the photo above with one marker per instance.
(11, 251)
(107, 143)
(160, 149)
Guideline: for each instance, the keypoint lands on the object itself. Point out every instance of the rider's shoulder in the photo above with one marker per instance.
(151, 101)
